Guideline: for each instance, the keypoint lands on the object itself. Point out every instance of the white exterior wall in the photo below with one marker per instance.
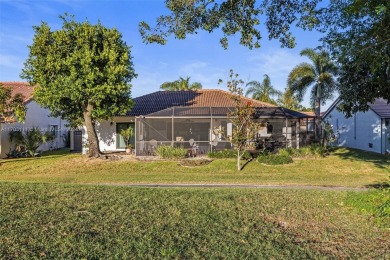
(106, 132)
(359, 131)
(36, 116)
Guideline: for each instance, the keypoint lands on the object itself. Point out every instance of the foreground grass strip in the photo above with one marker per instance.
(343, 168)
(77, 221)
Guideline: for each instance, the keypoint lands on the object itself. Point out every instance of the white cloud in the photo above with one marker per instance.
(277, 63)
(202, 72)
(11, 61)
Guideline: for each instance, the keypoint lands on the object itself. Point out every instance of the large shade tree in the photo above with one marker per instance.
(180, 84)
(262, 91)
(81, 72)
(357, 33)
(319, 75)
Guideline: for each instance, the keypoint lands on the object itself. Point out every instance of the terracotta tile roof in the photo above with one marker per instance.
(20, 87)
(309, 113)
(381, 107)
(161, 100)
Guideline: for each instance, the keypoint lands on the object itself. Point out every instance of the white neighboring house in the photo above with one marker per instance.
(369, 131)
(36, 116)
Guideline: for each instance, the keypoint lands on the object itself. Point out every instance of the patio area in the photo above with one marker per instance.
(205, 129)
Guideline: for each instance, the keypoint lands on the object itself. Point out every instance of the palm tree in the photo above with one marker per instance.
(288, 100)
(180, 84)
(320, 75)
(263, 91)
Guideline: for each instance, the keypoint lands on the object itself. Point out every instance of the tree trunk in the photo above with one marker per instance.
(93, 142)
(238, 160)
(317, 107)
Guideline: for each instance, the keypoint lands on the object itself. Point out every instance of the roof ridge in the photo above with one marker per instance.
(18, 82)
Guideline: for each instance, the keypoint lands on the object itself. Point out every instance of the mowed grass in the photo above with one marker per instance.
(344, 167)
(84, 221)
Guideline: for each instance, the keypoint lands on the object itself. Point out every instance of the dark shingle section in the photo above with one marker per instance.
(161, 100)
(261, 112)
(381, 107)
(280, 112)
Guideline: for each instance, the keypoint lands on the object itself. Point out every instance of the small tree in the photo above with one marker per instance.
(242, 117)
(127, 134)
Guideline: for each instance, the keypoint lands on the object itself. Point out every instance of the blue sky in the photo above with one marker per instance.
(199, 56)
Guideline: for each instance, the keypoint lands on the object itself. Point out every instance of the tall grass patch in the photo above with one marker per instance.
(170, 152)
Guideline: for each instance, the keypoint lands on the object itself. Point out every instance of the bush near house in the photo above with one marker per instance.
(169, 152)
(314, 150)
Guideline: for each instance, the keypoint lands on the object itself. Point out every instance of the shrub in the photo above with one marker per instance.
(274, 159)
(319, 150)
(31, 139)
(314, 150)
(228, 154)
(169, 152)
(287, 151)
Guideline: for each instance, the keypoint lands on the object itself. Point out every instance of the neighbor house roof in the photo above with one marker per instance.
(20, 87)
(161, 100)
(381, 107)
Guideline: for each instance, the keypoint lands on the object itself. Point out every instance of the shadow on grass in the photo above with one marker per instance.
(381, 185)
(245, 164)
(379, 160)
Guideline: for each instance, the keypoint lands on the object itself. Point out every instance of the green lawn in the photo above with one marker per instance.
(47, 212)
(344, 167)
(82, 221)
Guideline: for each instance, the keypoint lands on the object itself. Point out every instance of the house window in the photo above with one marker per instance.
(53, 129)
(270, 128)
(310, 126)
(120, 141)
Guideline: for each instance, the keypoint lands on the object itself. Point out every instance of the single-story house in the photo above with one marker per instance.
(369, 131)
(196, 120)
(36, 116)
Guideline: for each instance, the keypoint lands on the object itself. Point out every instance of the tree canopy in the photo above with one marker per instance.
(263, 91)
(232, 17)
(11, 105)
(181, 84)
(359, 39)
(81, 72)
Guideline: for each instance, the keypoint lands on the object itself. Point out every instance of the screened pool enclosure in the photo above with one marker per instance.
(204, 129)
